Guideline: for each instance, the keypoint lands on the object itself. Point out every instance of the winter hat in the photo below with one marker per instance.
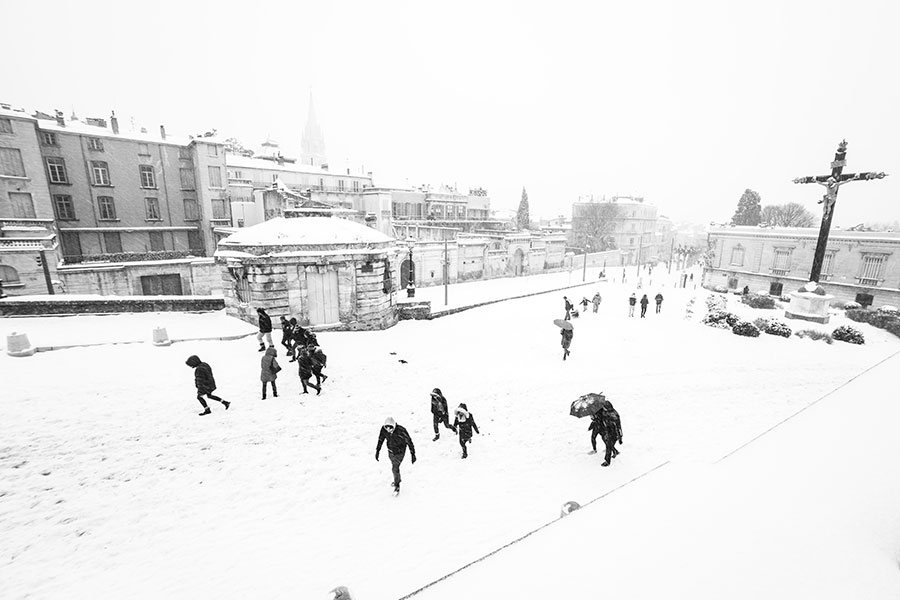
(192, 361)
(390, 421)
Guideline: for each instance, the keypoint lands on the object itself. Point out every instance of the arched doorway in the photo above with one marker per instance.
(407, 272)
(518, 262)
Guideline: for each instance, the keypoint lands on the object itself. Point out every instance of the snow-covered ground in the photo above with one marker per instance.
(112, 486)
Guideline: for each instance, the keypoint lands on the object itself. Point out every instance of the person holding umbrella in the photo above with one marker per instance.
(566, 331)
(605, 422)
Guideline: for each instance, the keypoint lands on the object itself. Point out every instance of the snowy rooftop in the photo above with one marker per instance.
(236, 161)
(811, 232)
(310, 231)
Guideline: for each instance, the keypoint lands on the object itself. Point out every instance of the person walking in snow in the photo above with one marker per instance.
(659, 299)
(644, 302)
(596, 301)
(439, 413)
(305, 369)
(607, 424)
(398, 440)
(632, 301)
(584, 303)
(464, 424)
(567, 335)
(285, 333)
(318, 363)
(298, 338)
(268, 371)
(265, 329)
(205, 382)
(569, 306)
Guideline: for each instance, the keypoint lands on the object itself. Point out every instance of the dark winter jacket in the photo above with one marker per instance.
(397, 441)
(632, 300)
(644, 301)
(298, 334)
(567, 335)
(305, 365)
(285, 330)
(318, 359)
(659, 298)
(465, 423)
(569, 305)
(265, 321)
(438, 403)
(203, 376)
(607, 424)
(268, 366)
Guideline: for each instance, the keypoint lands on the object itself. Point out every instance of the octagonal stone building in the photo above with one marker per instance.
(326, 272)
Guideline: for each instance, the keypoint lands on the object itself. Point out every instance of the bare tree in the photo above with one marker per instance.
(593, 225)
(792, 214)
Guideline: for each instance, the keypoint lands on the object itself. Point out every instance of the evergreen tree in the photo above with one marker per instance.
(748, 209)
(523, 218)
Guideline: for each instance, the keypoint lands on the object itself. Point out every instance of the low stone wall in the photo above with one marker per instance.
(408, 311)
(10, 307)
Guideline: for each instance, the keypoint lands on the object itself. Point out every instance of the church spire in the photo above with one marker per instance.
(312, 146)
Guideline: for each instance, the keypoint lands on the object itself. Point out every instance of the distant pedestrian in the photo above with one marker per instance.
(659, 299)
(606, 424)
(268, 371)
(569, 306)
(746, 290)
(439, 413)
(692, 277)
(398, 440)
(465, 423)
(567, 335)
(632, 301)
(305, 370)
(584, 303)
(265, 329)
(298, 338)
(596, 301)
(205, 382)
(286, 333)
(644, 302)
(318, 363)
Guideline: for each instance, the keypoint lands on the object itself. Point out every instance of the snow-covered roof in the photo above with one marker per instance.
(302, 231)
(237, 161)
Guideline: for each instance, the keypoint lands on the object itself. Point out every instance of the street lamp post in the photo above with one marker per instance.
(587, 249)
(410, 272)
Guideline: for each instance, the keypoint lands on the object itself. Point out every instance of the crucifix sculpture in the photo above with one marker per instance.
(832, 183)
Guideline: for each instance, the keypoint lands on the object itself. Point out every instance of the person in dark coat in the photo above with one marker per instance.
(439, 413)
(584, 303)
(268, 371)
(305, 367)
(205, 382)
(632, 301)
(607, 424)
(644, 302)
(567, 335)
(659, 299)
(285, 333)
(318, 363)
(569, 306)
(265, 329)
(298, 338)
(398, 440)
(464, 424)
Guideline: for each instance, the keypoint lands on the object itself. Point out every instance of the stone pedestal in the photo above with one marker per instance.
(161, 337)
(809, 306)
(17, 344)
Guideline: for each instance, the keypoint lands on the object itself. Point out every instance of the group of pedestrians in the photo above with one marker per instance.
(644, 302)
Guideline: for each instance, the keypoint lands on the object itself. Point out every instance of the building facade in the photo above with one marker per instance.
(861, 266)
(634, 226)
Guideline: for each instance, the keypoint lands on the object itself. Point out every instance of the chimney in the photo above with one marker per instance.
(162, 131)
(60, 120)
(324, 166)
(114, 121)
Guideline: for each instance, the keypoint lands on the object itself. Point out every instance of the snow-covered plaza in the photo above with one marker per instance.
(112, 487)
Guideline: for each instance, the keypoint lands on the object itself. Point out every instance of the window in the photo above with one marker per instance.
(65, 210)
(9, 274)
(11, 162)
(151, 206)
(219, 209)
(782, 262)
(107, 208)
(274, 177)
(187, 179)
(215, 177)
(99, 173)
(321, 183)
(144, 149)
(5, 125)
(191, 210)
(71, 244)
(213, 150)
(113, 241)
(355, 185)
(341, 185)
(195, 242)
(22, 205)
(95, 144)
(631, 241)
(48, 138)
(56, 169)
(871, 269)
(828, 265)
(238, 175)
(737, 256)
(148, 177)
(157, 243)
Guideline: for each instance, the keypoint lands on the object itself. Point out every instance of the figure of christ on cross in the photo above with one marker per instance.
(832, 183)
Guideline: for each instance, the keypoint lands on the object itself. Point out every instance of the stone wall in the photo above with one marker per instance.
(199, 277)
(64, 306)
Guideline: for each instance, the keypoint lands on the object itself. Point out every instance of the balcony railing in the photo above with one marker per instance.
(26, 223)
(132, 256)
(21, 243)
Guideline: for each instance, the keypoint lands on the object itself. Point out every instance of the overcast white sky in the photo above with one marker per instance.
(686, 103)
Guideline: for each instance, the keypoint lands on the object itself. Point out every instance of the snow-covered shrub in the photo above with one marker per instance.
(745, 328)
(721, 289)
(894, 327)
(848, 334)
(814, 334)
(761, 323)
(716, 302)
(715, 317)
(778, 328)
(852, 305)
(757, 301)
(888, 309)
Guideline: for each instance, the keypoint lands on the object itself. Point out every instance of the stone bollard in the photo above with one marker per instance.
(17, 344)
(161, 337)
(568, 508)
